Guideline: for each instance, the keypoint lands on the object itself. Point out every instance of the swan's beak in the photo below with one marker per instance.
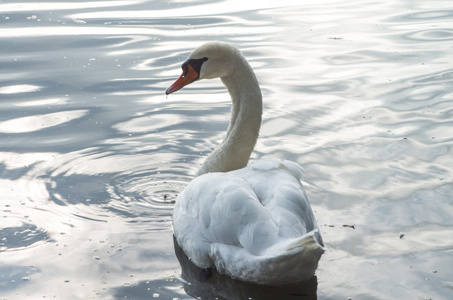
(186, 77)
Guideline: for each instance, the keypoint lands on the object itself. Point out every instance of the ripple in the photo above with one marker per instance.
(443, 76)
(14, 277)
(21, 236)
(39, 122)
(43, 102)
(415, 91)
(358, 57)
(52, 6)
(149, 123)
(430, 35)
(20, 88)
(151, 187)
(149, 194)
(422, 16)
(433, 14)
(208, 8)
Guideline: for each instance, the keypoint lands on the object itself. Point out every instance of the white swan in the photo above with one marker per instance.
(252, 223)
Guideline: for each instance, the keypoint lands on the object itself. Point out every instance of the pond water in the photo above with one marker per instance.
(93, 154)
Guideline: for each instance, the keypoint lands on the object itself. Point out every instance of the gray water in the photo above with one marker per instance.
(93, 154)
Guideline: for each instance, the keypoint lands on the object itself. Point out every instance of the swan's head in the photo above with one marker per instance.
(210, 60)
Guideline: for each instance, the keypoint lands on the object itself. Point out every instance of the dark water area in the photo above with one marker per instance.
(93, 154)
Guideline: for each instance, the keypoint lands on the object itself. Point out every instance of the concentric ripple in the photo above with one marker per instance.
(148, 194)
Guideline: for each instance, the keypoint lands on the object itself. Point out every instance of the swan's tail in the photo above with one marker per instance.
(309, 241)
(284, 264)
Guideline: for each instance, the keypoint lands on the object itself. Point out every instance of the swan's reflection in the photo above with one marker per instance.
(217, 286)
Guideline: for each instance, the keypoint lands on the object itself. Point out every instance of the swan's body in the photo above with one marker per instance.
(253, 223)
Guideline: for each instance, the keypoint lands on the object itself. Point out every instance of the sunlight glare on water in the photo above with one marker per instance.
(93, 154)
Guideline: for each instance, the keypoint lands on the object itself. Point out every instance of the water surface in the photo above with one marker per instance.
(93, 154)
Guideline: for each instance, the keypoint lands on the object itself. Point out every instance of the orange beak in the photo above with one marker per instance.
(186, 77)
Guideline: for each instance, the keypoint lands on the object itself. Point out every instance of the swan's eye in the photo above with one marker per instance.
(195, 63)
(185, 69)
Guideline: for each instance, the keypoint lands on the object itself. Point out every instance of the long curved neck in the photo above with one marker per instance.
(234, 151)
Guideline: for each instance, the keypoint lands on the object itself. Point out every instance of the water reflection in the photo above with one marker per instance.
(16, 277)
(93, 155)
(20, 88)
(39, 122)
(21, 236)
(216, 286)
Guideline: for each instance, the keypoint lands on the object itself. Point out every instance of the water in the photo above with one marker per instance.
(93, 154)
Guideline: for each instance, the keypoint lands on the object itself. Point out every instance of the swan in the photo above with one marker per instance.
(253, 223)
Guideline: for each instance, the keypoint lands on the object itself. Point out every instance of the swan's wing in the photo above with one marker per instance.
(277, 185)
(220, 208)
(259, 208)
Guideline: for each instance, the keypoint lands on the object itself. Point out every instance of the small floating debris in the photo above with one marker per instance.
(347, 226)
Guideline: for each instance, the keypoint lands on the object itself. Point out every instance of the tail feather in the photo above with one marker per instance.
(308, 241)
(296, 262)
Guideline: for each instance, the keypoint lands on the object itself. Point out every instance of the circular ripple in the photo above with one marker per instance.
(149, 193)
(431, 35)
(155, 189)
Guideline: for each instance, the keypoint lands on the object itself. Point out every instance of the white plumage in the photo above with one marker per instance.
(253, 222)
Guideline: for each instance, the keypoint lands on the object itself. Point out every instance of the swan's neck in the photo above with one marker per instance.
(234, 151)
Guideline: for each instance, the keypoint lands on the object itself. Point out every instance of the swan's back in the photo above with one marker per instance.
(254, 224)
